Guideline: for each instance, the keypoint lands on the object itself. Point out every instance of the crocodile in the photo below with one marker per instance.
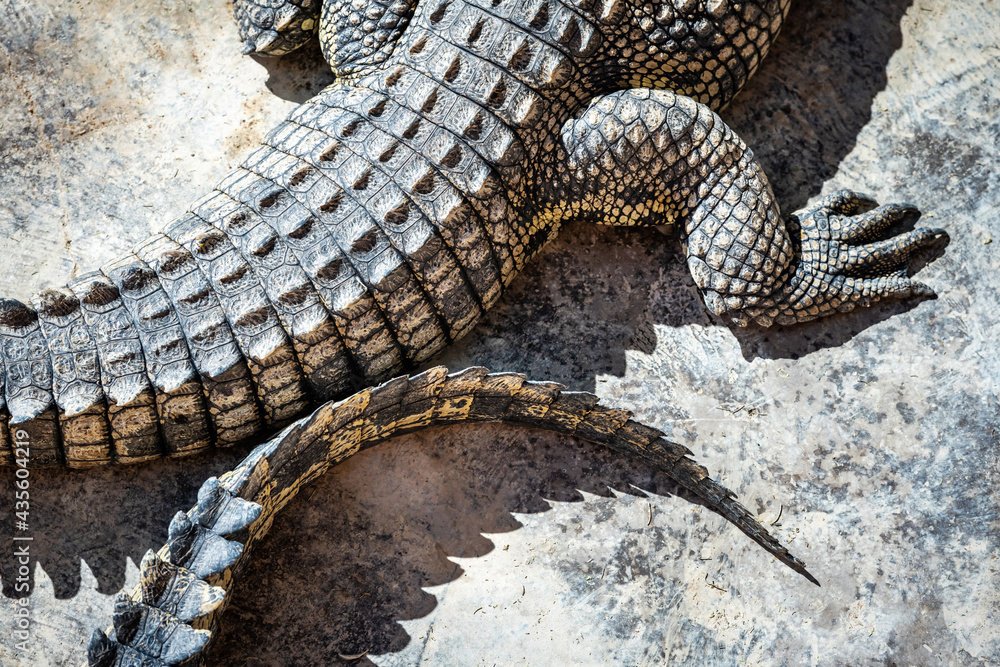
(383, 217)
(377, 224)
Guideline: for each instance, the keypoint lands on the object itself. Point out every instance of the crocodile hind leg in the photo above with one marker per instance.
(175, 611)
(641, 156)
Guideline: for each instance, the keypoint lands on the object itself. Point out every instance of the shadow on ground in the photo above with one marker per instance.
(299, 75)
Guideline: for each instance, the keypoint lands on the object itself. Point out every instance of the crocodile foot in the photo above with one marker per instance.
(845, 258)
(274, 28)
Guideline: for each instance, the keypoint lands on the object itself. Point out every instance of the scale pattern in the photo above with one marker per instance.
(689, 167)
(357, 34)
(276, 27)
(174, 612)
(382, 218)
(705, 50)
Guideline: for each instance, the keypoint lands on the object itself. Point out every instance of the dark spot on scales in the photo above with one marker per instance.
(233, 277)
(296, 296)
(265, 249)
(100, 294)
(398, 215)
(474, 130)
(299, 176)
(134, 279)
(365, 243)
(541, 17)
(271, 199)
(173, 260)
(453, 158)
(419, 46)
(253, 319)
(128, 357)
(377, 110)
(429, 103)
(303, 229)
(453, 70)
(521, 58)
(158, 315)
(331, 270)
(439, 13)
(388, 152)
(205, 243)
(498, 95)
(363, 180)
(394, 78)
(330, 153)
(475, 33)
(56, 304)
(208, 334)
(332, 204)
(238, 220)
(166, 348)
(196, 297)
(412, 130)
(425, 185)
(350, 128)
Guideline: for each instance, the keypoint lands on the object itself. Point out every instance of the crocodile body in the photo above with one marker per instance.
(384, 216)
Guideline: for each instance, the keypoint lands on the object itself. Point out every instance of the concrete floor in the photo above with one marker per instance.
(874, 435)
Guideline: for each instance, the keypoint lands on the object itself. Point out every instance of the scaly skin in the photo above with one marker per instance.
(383, 217)
(174, 613)
(276, 27)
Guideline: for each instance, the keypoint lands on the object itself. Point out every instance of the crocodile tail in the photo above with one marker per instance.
(183, 587)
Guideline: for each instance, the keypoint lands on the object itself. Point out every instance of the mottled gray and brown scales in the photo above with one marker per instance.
(129, 394)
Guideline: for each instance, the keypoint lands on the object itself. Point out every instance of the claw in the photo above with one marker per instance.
(873, 224)
(921, 290)
(883, 257)
(266, 40)
(285, 17)
(847, 202)
(867, 291)
(101, 651)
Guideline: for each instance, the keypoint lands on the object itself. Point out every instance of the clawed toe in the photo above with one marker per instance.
(848, 234)
(889, 256)
(873, 224)
(847, 202)
(867, 291)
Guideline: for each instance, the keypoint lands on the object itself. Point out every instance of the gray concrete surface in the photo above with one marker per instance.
(874, 435)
